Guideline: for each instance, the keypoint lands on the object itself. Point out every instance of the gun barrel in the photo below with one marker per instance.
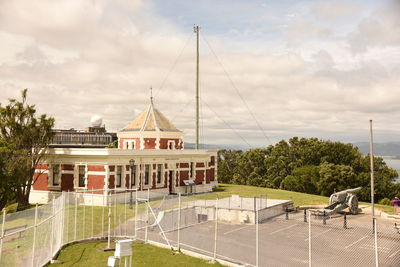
(352, 190)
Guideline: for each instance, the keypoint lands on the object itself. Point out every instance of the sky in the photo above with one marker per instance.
(269, 70)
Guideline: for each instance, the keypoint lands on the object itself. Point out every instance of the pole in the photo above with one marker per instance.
(376, 243)
(109, 224)
(92, 215)
(52, 229)
(76, 214)
(34, 235)
(216, 230)
(102, 218)
(257, 228)
(67, 221)
(126, 222)
(371, 155)
(179, 222)
(309, 239)
(197, 30)
(136, 212)
(84, 216)
(2, 231)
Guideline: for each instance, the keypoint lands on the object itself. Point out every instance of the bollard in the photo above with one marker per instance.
(324, 218)
(287, 213)
(305, 215)
(345, 221)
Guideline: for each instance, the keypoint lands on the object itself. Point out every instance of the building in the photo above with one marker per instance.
(150, 156)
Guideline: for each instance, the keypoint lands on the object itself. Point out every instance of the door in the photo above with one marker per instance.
(170, 181)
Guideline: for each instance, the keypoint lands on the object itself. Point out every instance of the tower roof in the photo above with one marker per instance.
(150, 120)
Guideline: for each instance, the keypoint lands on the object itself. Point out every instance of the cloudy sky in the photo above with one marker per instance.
(268, 70)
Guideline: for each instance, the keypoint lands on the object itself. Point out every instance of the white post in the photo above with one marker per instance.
(179, 221)
(115, 209)
(2, 231)
(309, 239)
(84, 216)
(136, 212)
(257, 248)
(102, 217)
(109, 225)
(76, 214)
(376, 243)
(34, 236)
(126, 222)
(52, 229)
(215, 230)
(371, 155)
(147, 221)
(92, 215)
(67, 206)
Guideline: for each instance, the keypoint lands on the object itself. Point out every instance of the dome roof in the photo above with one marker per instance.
(150, 120)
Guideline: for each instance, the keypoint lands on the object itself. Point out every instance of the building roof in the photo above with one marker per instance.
(150, 120)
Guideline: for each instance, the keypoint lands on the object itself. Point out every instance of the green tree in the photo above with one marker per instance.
(28, 136)
(303, 179)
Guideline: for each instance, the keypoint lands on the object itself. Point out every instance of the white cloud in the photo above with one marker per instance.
(100, 57)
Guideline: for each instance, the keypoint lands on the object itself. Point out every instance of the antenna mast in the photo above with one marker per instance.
(196, 29)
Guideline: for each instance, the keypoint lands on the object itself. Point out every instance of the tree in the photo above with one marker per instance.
(303, 179)
(27, 137)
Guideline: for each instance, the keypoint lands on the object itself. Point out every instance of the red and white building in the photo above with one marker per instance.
(150, 155)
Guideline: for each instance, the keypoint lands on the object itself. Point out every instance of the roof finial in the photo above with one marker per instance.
(151, 95)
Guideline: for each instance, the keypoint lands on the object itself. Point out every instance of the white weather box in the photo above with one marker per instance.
(112, 261)
(123, 248)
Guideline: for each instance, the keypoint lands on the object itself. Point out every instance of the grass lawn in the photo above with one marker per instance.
(88, 254)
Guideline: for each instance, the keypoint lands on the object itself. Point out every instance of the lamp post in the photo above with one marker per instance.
(131, 164)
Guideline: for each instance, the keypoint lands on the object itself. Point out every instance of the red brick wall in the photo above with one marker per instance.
(67, 182)
(111, 181)
(96, 168)
(211, 174)
(184, 165)
(137, 142)
(212, 161)
(149, 143)
(199, 177)
(42, 166)
(95, 182)
(184, 175)
(164, 143)
(200, 164)
(40, 181)
(111, 168)
(67, 167)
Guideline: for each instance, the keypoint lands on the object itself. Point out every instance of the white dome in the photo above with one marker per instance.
(96, 121)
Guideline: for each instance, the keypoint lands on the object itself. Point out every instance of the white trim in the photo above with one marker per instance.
(41, 171)
(67, 172)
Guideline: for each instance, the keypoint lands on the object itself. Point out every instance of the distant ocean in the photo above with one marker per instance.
(394, 164)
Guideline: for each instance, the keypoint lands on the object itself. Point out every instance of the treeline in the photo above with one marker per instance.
(308, 165)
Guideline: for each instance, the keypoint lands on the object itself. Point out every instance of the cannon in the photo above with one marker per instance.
(340, 201)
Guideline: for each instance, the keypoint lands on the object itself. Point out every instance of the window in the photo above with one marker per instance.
(133, 176)
(133, 144)
(126, 145)
(191, 172)
(82, 174)
(171, 144)
(159, 173)
(56, 174)
(146, 174)
(118, 177)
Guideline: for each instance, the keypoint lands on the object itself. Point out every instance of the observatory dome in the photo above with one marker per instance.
(96, 121)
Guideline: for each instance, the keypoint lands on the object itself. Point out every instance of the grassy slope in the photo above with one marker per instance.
(87, 254)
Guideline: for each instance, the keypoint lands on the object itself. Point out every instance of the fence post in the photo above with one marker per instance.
(84, 215)
(102, 217)
(126, 222)
(147, 220)
(257, 248)
(115, 210)
(52, 228)
(76, 214)
(305, 215)
(109, 225)
(34, 235)
(345, 221)
(67, 206)
(216, 230)
(309, 239)
(179, 222)
(3, 231)
(376, 243)
(136, 212)
(92, 215)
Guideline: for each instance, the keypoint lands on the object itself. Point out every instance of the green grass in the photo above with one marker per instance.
(299, 199)
(88, 254)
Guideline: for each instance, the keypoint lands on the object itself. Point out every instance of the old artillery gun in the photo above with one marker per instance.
(340, 201)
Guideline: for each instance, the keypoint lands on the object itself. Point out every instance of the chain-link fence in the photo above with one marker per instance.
(253, 231)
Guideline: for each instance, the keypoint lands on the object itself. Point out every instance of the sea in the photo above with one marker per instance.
(393, 163)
